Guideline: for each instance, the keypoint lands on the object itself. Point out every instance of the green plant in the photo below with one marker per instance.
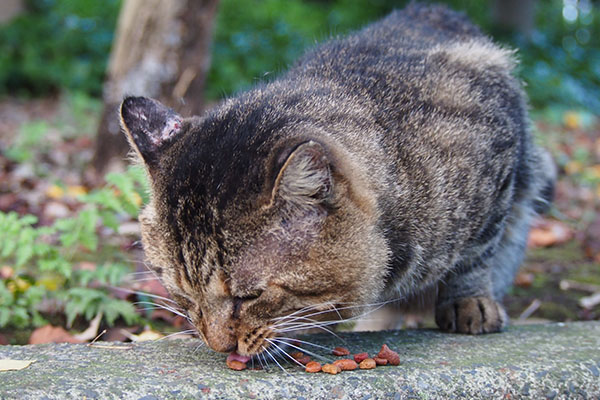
(28, 141)
(39, 262)
(57, 44)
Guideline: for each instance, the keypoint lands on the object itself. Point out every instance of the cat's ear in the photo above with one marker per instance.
(305, 177)
(149, 126)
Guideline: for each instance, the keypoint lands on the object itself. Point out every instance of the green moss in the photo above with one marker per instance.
(586, 273)
(568, 252)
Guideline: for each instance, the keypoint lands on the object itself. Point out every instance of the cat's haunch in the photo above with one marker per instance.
(396, 163)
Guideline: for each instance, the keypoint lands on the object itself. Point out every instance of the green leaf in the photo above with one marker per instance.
(4, 316)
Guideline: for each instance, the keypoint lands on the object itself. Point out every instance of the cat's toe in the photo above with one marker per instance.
(472, 315)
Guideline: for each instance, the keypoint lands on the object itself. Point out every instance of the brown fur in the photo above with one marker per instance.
(392, 164)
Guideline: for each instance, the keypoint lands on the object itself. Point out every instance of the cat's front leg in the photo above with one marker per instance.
(465, 304)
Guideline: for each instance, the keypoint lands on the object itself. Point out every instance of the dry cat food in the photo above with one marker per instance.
(331, 369)
(380, 361)
(340, 351)
(392, 357)
(236, 365)
(360, 356)
(367, 363)
(361, 360)
(300, 357)
(313, 366)
(346, 364)
(236, 361)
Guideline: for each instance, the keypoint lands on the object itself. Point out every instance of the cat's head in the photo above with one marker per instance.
(255, 229)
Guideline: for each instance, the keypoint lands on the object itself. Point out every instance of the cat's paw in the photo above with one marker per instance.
(473, 315)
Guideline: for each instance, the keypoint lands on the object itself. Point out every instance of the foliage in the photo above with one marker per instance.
(65, 44)
(42, 262)
(57, 44)
(270, 34)
(36, 139)
(560, 62)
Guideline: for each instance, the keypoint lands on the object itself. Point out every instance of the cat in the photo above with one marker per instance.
(389, 164)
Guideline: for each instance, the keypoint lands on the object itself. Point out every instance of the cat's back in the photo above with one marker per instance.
(396, 43)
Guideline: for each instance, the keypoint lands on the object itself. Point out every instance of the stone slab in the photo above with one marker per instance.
(538, 361)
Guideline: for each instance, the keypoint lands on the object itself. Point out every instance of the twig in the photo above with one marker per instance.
(535, 304)
(97, 337)
(566, 284)
(111, 346)
(590, 301)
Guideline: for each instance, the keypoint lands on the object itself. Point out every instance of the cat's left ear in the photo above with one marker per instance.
(305, 177)
(149, 126)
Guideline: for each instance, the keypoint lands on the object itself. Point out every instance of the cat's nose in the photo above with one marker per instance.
(223, 342)
(219, 334)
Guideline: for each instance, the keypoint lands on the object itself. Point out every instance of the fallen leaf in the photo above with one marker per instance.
(14, 365)
(55, 192)
(92, 331)
(571, 119)
(147, 335)
(547, 233)
(76, 190)
(573, 167)
(524, 279)
(52, 334)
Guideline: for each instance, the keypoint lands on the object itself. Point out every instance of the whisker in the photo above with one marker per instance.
(306, 351)
(146, 279)
(186, 332)
(257, 356)
(164, 307)
(312, 306)
(284, 352)
(142, 293)
(266, 364)
(309, 326)
(274, 359)
(301, 341)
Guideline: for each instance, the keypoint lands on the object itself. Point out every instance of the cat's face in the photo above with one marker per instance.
(253, 243)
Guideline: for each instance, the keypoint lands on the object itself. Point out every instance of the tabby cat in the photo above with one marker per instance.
(394, 163)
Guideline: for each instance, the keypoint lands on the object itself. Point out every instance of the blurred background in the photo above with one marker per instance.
(70, 259)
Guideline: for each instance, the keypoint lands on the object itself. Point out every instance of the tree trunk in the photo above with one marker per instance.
(161, 50)
(10, 9)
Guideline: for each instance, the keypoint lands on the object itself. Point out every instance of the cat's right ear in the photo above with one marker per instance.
(150, 127)
(305, 177)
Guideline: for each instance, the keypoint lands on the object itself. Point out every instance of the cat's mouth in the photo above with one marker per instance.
(255, 341)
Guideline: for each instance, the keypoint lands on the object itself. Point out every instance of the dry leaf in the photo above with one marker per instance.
(92, 331)
(14, 365)
(147, 335)
(52, 334)
(549, 233)
(524, 279)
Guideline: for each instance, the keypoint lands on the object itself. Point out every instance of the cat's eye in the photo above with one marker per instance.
(239, 301)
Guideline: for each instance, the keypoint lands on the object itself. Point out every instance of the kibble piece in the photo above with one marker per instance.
(340, 351)
(360, 356)
(331, 369)
(346, 364)
(367, 363)
(303, 360)
(236, 365)
(297, 354)
(313, 366)
(380, 361)
(390, 355)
